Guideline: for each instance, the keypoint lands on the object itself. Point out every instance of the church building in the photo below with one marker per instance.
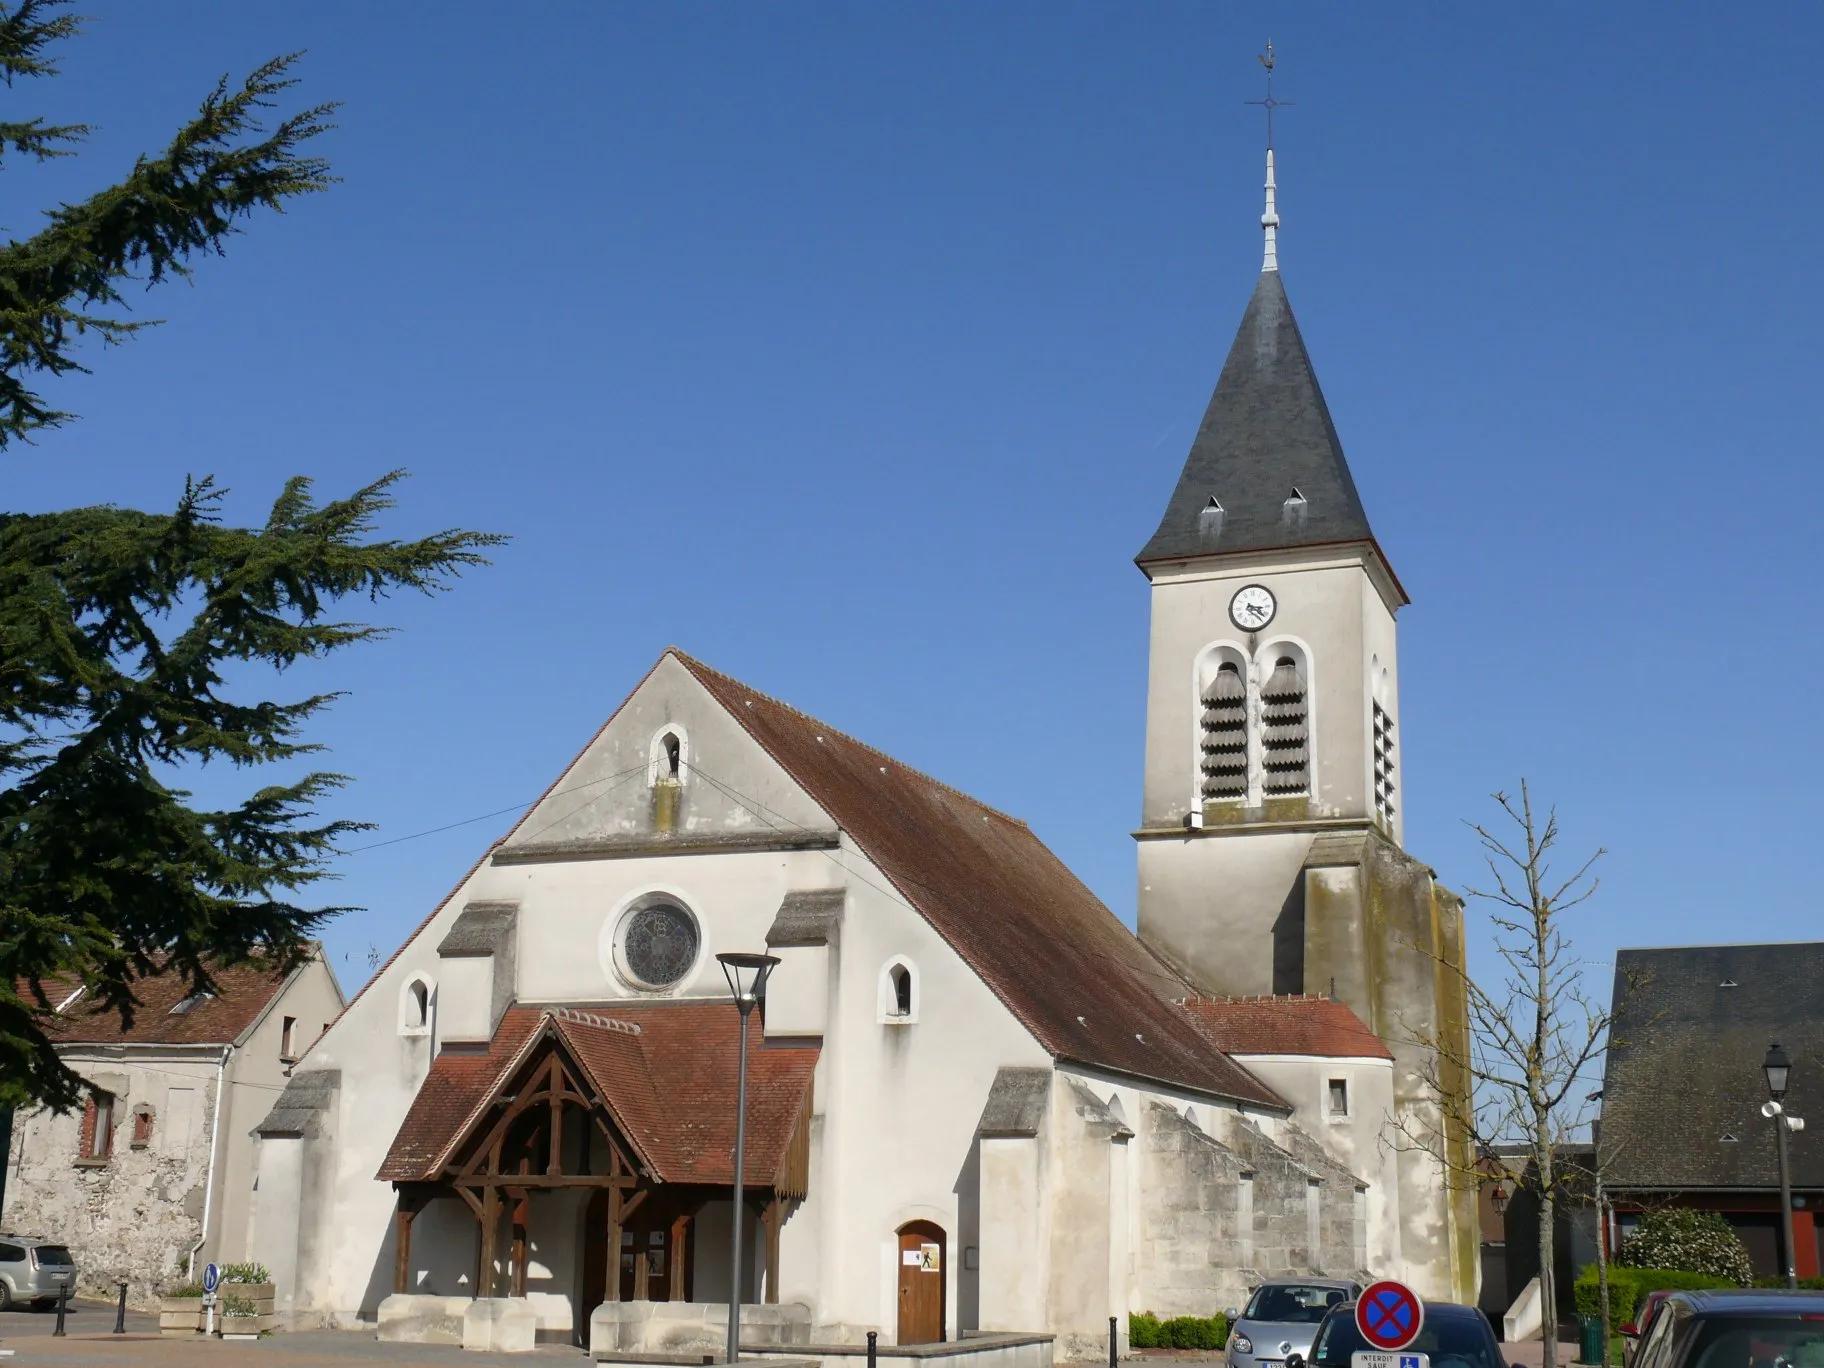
(978, 1104)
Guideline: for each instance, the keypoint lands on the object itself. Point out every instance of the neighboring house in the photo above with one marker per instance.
(151, 1178)
(1684, 1087)
(980, 1102)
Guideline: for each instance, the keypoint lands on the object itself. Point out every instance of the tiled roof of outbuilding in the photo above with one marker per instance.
(244, 991)
(1683, 1087)
(666, 1070)
(1289, 1024)
(1083, 984)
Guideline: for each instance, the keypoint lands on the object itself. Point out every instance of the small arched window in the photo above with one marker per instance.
(669, 760)
(1285, 750)
(417, 1000)
(1225, 735)
(899, 992)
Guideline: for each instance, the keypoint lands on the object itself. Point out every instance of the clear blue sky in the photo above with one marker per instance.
(856, 348)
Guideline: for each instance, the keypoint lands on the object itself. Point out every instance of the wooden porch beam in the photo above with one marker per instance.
(490, 1238)
(402, 1244)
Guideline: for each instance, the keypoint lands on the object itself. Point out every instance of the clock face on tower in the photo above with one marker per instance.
(1252, 608)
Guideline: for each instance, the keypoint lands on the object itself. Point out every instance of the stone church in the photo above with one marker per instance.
(979, 1105)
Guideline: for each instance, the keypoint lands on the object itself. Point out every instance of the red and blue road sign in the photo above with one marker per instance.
(1389, 1315)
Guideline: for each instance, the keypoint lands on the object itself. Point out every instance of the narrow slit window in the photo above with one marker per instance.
(1339, 1097)
(902, 991)
(1383, 765)
(1225, 735)
(288, 1039)
(1285, 732)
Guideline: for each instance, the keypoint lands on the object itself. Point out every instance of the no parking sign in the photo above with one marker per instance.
(1389, 1315)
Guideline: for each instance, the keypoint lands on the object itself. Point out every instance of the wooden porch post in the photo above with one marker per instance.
(402, 1243)
(612, 1292)
(677, 1289)
(490, 1237)
(522, 1217)
(770, 1220)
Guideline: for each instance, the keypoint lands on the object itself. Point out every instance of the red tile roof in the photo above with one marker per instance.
(666, 1070)
(1294, 1024)
(243, 993)
(1065, 966)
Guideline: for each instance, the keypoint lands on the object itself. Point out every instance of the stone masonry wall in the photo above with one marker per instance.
(1191, 1251)
(135, 1215)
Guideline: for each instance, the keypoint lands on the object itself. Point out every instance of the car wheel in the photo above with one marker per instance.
(6, 1296)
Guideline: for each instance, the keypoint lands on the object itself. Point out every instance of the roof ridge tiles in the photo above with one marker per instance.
(691, 663)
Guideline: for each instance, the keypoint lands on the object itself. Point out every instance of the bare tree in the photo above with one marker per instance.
(1534, 1038)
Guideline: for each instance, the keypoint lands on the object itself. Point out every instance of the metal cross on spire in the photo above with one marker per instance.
(1269, 104)
(1269, 221)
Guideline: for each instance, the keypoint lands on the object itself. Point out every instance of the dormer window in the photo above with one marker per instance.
(190, 1004)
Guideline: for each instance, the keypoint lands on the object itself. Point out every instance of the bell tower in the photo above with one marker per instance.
(1271, 840)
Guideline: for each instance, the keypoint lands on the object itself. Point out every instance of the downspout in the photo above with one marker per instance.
(215, 1136)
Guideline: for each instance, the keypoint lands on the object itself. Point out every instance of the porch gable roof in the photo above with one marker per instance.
(666, 1072)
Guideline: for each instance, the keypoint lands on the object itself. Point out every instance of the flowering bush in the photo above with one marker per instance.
(1695, 1241)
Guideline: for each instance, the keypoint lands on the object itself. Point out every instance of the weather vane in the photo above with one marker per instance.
(1269, 104)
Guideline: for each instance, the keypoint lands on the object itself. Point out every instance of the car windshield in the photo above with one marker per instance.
(1292, 1303)
(1795, 1341)
(1452, 1342)
(52, 1256)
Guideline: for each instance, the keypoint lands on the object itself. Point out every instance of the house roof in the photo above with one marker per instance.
(1085, 986)
(1289, 1024)
(1684, 1066)
(667, 1072)
(244, 992)
(1266, 439)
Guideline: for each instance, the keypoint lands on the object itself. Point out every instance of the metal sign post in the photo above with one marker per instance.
(212, 1279)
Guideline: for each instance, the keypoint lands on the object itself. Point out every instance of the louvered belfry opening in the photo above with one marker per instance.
(1383, 765)
(1285, 741)
(1225, 735)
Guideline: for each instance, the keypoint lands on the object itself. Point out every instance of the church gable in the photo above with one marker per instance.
(670, 770)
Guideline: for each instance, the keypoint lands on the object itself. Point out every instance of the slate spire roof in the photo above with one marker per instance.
(1266, 470)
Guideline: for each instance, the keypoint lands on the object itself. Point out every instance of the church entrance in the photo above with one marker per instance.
(656, 1245)
(921, 1283)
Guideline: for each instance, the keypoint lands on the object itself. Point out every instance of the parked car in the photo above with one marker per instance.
(1643, 1319)
(1454, 1336)
(34, 1270)
(1735, 1329)
(1281, 1317)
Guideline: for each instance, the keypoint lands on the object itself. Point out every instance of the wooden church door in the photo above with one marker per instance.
(921, 1283)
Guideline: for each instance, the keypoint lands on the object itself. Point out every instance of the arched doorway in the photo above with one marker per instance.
(921, 1283)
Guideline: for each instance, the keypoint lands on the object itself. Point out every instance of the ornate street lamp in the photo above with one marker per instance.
(1777, 1067)
(747, 975)
(1499, 1199)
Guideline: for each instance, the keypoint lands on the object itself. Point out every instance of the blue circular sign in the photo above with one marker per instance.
(1389, 1315)
(212, 1277)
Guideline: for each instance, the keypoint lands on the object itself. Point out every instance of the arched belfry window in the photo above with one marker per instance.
(899, 992)
(1285, 737)
(417, 1001)
(670, 757)
(1225, 734)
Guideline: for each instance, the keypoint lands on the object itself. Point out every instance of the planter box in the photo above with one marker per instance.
(262, 1295)
(180, 1315)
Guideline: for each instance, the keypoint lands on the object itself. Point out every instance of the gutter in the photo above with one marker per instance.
(215, 1136)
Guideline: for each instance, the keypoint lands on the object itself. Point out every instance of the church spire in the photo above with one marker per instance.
(1269, 223)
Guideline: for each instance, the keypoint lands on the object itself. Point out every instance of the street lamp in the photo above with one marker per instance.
(1499, 1199)
(747, 975)
(1777, 1067)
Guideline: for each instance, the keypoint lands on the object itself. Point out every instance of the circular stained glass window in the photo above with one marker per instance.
(659, 944)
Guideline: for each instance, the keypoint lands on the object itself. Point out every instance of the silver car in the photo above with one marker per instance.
(1281, 1318)
(34, 1270)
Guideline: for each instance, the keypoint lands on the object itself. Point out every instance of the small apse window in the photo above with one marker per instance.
(1339, 1097)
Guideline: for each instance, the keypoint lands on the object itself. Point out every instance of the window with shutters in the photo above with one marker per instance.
(1225, 734)
(1285, 741)
(97, 1140)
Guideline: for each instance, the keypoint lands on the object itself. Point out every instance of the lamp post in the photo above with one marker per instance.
(1777, 1067)
(747, 975)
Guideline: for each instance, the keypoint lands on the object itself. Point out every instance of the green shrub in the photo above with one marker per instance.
(189, 1289)
(1147, 1331)
(1694, 1241)
(245, 1273)
(234, 1304)
(1805, 1284)
(1628, 1287)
